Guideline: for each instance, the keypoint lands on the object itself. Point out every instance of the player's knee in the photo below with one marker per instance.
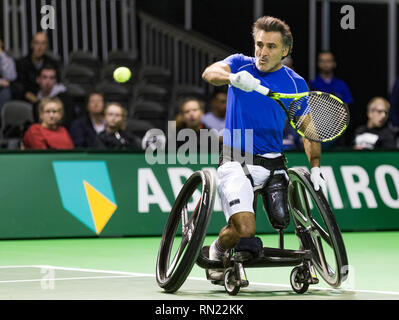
(244, 224)
(245, 230)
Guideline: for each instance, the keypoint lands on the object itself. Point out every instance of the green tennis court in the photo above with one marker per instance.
(124, 268)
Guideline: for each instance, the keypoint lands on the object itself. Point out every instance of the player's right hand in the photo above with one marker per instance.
(318, 180)
(244, 81)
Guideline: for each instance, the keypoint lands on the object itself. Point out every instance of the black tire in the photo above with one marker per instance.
(171, 273)
(230, 282)
(298, 286)
(317, 229)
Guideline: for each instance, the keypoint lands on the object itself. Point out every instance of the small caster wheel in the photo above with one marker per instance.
(299, 283)
(230, 282)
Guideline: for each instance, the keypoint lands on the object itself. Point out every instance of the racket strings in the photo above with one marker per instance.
(319, 116)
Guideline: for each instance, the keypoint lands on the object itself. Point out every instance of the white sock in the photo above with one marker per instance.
(216, 252)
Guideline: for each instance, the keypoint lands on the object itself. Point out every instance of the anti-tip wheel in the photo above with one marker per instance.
(230, 282)
(298, 283)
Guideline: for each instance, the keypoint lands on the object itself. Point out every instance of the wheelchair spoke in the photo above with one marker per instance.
(300, 217)
(303, 213)
(177, 256)
(303, 198)
(320, 252)
(194, 215)
(322, 232)
(184, 217)
(325, 267)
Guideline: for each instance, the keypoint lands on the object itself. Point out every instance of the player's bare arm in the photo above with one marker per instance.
(217, 74)
(313, 152)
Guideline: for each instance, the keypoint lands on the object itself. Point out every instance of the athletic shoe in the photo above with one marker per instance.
(214, 274)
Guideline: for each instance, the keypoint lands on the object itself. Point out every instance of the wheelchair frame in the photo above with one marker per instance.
(309, 258)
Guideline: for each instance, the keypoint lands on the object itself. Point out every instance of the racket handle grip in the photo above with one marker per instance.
(262, 90)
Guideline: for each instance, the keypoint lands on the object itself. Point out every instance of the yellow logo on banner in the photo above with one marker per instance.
(101, 207)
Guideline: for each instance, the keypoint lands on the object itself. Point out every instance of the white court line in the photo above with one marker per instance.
(135, 274)
(61, 279)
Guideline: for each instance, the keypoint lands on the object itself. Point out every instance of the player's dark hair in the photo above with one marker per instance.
(270, 24)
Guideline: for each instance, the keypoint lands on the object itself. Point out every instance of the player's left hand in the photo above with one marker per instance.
(244, 81)
(318, 180)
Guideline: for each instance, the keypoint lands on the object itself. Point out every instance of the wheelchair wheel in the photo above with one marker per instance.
(298, 282)
(230, 282)
(190, 217)
(317, 228)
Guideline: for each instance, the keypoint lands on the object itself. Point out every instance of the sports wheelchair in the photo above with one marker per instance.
(321, 247)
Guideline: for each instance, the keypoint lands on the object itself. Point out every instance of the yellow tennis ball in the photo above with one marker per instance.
(122, 74)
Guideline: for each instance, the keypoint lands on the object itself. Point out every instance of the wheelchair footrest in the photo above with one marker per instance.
(271, 257)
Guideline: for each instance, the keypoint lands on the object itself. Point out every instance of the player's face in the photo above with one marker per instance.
(269, 50)
(192, 114)
(51, 115)
(378, 114)
(114, 117)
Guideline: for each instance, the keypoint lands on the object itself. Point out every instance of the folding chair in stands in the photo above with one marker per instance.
(151, 111)
(114, 92)
(152, 92)
(79, 95)
(81, 75)
(16, 117)
(156, 75)
(86, 59)
(138, 127)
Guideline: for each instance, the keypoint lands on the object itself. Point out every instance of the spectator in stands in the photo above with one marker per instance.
(191, 112)
(327, 82)
(288, 62)
(85, 129)
(216, 117)
(115, 136)
(48, 134)
(8, 74)
(49, 88)
(394, 110)
(377, 133)
(28, 68)
(190, 117)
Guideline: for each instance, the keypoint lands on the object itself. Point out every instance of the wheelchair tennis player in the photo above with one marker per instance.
(247, 109)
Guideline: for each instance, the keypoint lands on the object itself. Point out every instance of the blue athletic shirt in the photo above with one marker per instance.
(251, 110)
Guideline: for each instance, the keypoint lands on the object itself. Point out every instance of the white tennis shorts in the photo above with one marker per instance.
(235, 189)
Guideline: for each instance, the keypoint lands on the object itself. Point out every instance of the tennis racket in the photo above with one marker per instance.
(315, 115)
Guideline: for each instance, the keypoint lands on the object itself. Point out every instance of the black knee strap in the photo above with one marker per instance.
(253, 245)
